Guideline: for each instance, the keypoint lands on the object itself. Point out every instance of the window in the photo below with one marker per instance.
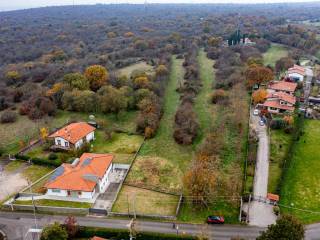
(79, 193)
(66, 144)
(59, 142)
(55, 190)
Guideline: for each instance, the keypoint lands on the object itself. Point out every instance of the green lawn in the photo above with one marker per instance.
(55, 203)
(119, 143)
(188, 213)
(202, 106)
(274, 53)
(163, 144)
(301, 188)
(279, 143)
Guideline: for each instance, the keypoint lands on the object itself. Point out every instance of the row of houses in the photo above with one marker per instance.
(281, 94)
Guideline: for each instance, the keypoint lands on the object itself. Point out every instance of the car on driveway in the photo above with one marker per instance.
(256, 112)
(261, 123)
(215, 220)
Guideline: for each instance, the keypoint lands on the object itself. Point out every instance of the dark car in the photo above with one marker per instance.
(215, 220)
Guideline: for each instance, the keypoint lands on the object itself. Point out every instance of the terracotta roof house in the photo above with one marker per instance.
(73, 136)
(98, 238)
(296, 73)
(84, 178)
(280, 102)
(282, 86)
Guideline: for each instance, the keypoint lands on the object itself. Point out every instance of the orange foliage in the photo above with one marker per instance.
(259, 96)
(256, 74)
(97, 76)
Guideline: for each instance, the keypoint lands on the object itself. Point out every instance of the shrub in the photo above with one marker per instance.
(88, 232)
(219, 96)
(277, 123)
(52, 156)
(8, 117)
(276, 210)
(22, 157)
(46, 162)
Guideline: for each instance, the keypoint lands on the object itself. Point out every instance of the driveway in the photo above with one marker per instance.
(260, 213)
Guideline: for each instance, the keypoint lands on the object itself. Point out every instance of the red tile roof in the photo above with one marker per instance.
(74, 132)
(283, 86)
(72, 177)
(297, 69)
(283, 96)
(276, 104)
(97, 238)
(273, 197)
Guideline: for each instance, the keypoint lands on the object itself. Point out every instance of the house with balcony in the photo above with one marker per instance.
(280, 102)
(72, 136)
(85, 178)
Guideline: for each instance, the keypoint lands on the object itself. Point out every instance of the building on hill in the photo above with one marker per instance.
(282, 86)
(73, 136)
(280, 102)
(299, 74)
(296, 73)
(84, 178)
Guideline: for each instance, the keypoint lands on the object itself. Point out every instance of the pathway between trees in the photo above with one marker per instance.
(260, 213)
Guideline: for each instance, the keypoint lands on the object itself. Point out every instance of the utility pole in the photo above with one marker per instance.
(134, 206)
(34, 207)
(128, 205)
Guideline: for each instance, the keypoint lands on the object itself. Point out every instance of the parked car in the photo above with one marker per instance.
(261, 123)
(256, 112)
(215, 220)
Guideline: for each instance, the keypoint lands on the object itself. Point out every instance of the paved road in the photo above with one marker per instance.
(260, 213)
(17, 224)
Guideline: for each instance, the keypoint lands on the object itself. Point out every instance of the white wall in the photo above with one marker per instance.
(105, 181)
(90, 137)
(62, 193)
(296, 76)
(63, 141)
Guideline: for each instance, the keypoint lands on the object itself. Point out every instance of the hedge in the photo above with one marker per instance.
(39, 161)
(89, 232)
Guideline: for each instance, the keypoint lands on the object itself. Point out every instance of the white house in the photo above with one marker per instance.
(297, 73)
(84, 178)
(73, 136)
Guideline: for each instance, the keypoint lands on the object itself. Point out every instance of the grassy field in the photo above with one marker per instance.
(202, 106)
(55, 203)
(301, 185)
(141, 66)
(163, 144)
(279, 143)
(145, 202)
(119, 143)
(189, 213)
(274, 53)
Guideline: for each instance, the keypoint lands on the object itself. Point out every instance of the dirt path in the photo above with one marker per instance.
(261, 214)
(10, 184)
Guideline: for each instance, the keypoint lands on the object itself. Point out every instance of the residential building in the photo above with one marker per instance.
(84, 178)
(98, 238)
(282, 86)
(280, 102)
(73, 136)
(296, 73)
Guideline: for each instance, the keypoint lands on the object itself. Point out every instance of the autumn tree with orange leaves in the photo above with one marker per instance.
(256, 74)
(259, 96)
